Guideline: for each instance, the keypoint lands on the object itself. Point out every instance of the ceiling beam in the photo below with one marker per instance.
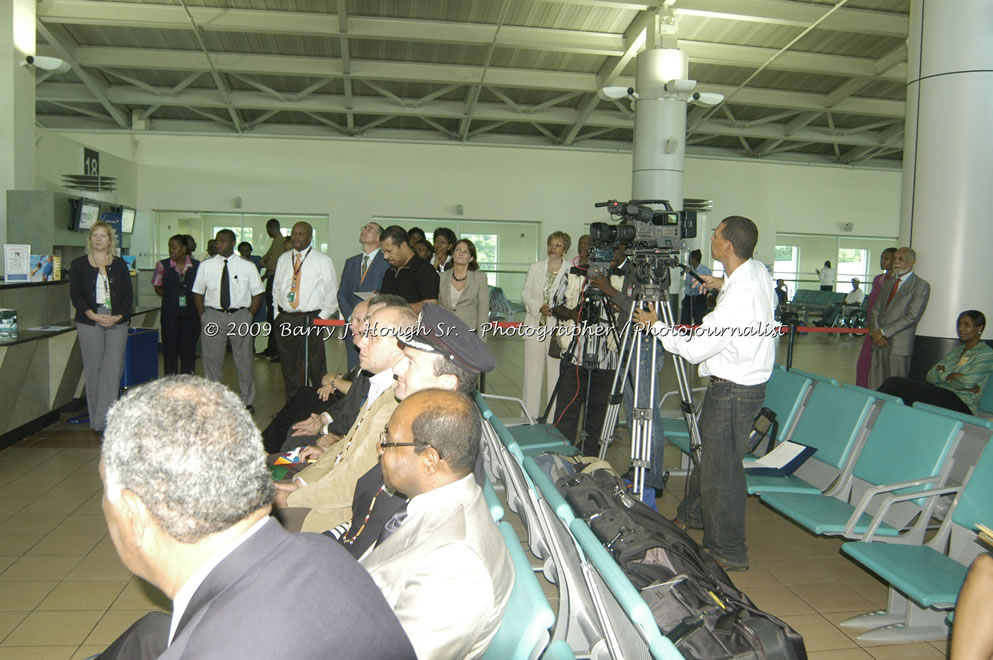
(170, 17)
(446, 74)
(634, 37)
(494, 112)
(66, 48)
(798, 14)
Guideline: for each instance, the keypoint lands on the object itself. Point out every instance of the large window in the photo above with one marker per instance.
(852, 263)
(249, 227)
(504, 249)
(787, 266)
(486, 253)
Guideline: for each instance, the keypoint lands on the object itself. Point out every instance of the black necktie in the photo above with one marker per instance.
(225, 288)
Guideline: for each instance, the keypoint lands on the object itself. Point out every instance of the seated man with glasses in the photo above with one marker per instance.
(441, 563)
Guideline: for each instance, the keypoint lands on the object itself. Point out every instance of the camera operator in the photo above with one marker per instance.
(587, 320)
(622, 300)
(739, 365)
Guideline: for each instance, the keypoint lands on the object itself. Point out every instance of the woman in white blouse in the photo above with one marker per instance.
(541, 284)
(463, 290)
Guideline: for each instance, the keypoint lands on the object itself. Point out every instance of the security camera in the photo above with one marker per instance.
(53, 64)
(706, 98)
(680, 86)
(616, 93)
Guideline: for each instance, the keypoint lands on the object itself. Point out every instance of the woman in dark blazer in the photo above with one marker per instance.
(100, 290)
(173, 280)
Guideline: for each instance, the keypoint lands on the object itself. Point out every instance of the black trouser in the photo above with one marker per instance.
(179, 343)
(272, 348)
(297, 350)
(571, 398)
(692, 310)
(297, 409)
(912, 391)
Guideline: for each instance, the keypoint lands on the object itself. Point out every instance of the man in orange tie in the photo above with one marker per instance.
(893, 319)
(363, 272)
(305, 288)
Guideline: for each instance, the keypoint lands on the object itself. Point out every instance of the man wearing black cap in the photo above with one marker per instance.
(444, 355)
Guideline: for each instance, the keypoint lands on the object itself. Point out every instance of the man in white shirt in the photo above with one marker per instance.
(305, 288)
(201, 536)
(833, 311)
(736, 347)
(226, 293)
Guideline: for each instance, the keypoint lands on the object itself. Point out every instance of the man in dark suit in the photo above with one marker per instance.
(362, 272)
(893, 319)
(187, 499)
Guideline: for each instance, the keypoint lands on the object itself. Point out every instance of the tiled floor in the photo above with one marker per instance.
(64, 593)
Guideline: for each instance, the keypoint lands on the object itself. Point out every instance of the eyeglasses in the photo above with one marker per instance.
(384, 442)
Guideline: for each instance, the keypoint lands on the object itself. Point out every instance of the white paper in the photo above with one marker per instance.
(365, 295)
(779, 457)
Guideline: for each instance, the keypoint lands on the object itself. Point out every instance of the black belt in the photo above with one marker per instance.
(313, 311)
(229, 310)
(718, 379)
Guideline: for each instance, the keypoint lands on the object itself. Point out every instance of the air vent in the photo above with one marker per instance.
(89, 182)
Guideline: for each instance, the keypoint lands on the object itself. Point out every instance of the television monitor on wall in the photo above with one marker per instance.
(86, 212)
(127, 220)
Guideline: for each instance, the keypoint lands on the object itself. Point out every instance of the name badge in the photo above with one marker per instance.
(182, 301)
(292, 296)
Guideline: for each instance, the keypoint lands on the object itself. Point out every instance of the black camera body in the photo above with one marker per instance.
(641, 226)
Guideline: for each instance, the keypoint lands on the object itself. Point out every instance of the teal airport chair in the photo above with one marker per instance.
(534, 438)
(785, 394)
(906, 449)
(835, 423)
(925, 579)
(523, 633)
(629, 627)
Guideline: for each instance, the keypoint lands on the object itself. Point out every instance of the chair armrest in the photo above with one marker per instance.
(676, 392)
(878, 490)
(890, 500)
(513, 399)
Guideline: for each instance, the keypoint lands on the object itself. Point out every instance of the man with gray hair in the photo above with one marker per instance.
(894, 317)
(187, 497)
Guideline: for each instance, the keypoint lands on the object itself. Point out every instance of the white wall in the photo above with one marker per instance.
(353, 181)
(56, 154)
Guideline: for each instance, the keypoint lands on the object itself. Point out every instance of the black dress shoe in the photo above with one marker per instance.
(250, 409)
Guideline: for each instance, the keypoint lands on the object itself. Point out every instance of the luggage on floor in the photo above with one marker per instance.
(693, 600)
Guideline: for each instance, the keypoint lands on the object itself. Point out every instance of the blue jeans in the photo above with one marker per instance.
(717, 492)
(653, 478)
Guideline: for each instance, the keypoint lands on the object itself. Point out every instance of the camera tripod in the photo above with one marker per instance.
(594, 312)
(656, 294)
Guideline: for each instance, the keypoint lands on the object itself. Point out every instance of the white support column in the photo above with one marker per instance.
(947, 197)
(659, 127)
(17, 99)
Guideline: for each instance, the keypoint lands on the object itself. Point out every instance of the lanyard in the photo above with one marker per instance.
(296, 269)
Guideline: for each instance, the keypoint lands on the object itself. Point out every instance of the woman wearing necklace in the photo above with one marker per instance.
(100, 290)
(173, 281)
(465, 292)
(444, 242)
(540, 285)
(957, 381)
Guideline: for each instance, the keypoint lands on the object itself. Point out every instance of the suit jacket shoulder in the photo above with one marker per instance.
(331, 480)
(286, 576)
(446, 572)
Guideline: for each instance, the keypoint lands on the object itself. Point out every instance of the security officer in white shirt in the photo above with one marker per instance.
(305, 288)
(226, 293)
(736, 347)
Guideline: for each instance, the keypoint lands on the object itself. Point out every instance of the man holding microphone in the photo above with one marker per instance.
(736, 347)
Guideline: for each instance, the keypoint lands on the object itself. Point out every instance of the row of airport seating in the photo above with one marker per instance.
(881, 473)
(599, 613)
(816, 300)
